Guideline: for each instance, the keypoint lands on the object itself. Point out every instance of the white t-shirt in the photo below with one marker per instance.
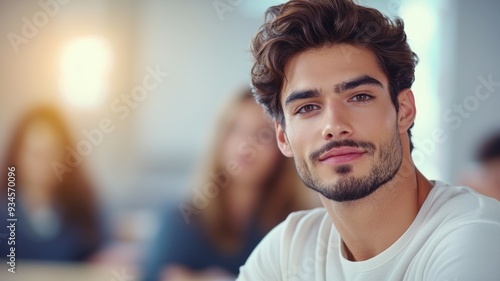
(455, 236)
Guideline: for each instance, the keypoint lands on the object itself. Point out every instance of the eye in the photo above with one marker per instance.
(307, 108)
(362, 97)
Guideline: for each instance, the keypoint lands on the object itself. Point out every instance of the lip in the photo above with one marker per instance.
(341, 155)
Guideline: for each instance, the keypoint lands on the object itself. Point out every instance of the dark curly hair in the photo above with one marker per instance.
(300, 25)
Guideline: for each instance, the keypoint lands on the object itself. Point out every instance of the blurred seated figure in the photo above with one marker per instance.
(486, 179)
(56, 212)
(247, 188)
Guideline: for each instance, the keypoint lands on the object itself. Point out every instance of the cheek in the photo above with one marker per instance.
(301, 136)
(374, 125)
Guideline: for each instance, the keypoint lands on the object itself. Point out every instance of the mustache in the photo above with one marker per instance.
(368, 146)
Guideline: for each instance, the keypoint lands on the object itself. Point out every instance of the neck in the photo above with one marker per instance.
(370, 225)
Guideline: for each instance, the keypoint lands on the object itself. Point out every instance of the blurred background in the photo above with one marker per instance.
(139, 85)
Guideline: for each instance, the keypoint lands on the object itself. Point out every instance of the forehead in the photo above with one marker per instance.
(330, 65)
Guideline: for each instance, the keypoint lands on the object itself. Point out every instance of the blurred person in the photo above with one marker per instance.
(56, 220)
(213, 241)
(486, 179)
(336, 77)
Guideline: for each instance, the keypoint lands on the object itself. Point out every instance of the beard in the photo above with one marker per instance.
(349, 188)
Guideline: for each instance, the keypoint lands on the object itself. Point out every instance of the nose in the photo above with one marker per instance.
(336, 122)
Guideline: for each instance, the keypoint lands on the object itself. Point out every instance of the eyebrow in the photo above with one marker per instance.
(299, 95)
(339, 88)
(356, 82)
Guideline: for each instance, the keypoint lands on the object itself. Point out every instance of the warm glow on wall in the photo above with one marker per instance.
(85, 67)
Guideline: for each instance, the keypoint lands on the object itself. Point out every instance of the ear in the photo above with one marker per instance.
(282, 140)
(407, 110)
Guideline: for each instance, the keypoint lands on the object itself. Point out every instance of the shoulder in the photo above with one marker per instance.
(299, 224)
(462, 204)
(465, 241)
(286, 245)
(468, 252)
(302, 229)
(454, 212)
(305, 219)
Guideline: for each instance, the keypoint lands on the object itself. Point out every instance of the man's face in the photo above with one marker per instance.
(340, 123)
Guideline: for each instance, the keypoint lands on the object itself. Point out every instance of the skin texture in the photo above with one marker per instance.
(372, 220)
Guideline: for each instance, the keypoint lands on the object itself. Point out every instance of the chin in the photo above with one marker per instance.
(344, 170)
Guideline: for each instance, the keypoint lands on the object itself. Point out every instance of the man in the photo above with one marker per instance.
(336, 78)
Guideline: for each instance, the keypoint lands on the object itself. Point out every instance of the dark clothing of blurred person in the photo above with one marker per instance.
(188, 247)
(45, 236)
